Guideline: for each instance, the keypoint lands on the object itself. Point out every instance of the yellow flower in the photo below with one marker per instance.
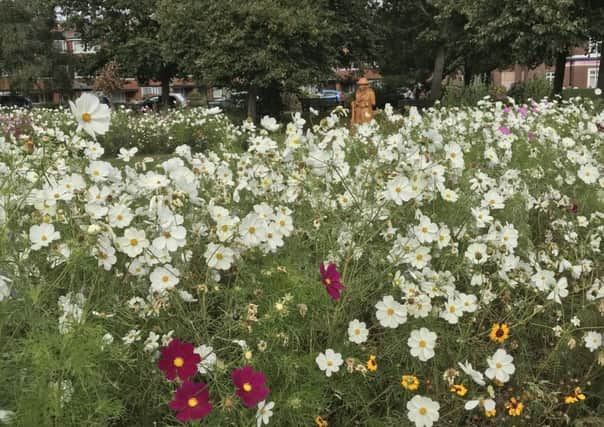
(490, 413)
(459, 389)
(514, 407)
(372, 363)
(499, 332)
(320, 422)
(410, 382)
(575, 396)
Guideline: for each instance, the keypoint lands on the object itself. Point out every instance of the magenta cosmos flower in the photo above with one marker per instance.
(179, 359)
(191, 401)
(331, 279)
(504, 130)
(251, 385)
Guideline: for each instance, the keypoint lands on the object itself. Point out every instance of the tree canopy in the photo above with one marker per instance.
(128, 32)
(27, 52)
(252, 45)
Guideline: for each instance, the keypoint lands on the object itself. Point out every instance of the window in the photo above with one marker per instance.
(79, 47)
(150, 91)
(592, 78)
(60, 45)
(549, 76)
(594, 47)
(217, 93)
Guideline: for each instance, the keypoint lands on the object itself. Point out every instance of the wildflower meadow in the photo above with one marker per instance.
(442, 268)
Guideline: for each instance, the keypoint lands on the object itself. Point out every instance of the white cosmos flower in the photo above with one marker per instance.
(330, 361)
(422, 411)
(487, 404)
(422, 342)
(92, 116)
(357, 331)
(390, 313)
(219, 257)
(593, 340)
(269, 123)
(265, 412)
(125, 154)
(4, 288)
(501, 366)
(163, 278)
(477, 253)
(588, 174)
(208, 358)
(133, 242)
(42, 235)
(476, 376)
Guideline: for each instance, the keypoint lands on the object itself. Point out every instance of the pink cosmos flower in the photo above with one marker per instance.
(504, 130)
(250, 384)
(178, 359)
(191, 401)
(331, 279)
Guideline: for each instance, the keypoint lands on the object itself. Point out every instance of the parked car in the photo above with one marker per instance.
(234, 100)
(103, 99)
(332, 94)
(154, 103)
(323, 101)
(15, 101)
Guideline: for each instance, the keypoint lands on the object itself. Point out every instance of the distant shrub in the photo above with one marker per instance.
(537, 89)
(455, 94)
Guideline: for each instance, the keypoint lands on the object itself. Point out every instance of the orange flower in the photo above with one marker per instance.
(499, 332)
(320, 422)
(514, 407)
(575, 396)
(459, 389)
(372, 363)
(410, 382)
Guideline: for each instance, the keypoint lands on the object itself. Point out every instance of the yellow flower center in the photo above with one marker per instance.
(357, 332)
(119, 217)
(165, 279)
(251, 230)
(44, 238)
(390, 312)
(219, 256)
(86, 117)
(192, 402)
(247, 387)
(422, 344)
(179, 362)
(133, 242)
(423, 411)
(328, 281)
(498, 365)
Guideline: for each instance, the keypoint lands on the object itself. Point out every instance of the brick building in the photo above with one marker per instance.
(581, 69)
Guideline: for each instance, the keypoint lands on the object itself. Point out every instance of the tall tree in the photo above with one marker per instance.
(251, 45)
(27, 53)
(126, 31)
(534, 31)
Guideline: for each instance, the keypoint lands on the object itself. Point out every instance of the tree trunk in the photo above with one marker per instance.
(468, 73)
(601, 73)
(437, 75)
(252, 104)
(165, 90)
(559, 73)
